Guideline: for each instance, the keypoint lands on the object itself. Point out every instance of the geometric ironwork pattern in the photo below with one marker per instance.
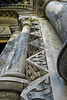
(43, 90)
(36, 66)
(39, 59)
(39, 89)
(5, 31)
(8, 17)
(35, 46)
(37, 69)
(16, 4)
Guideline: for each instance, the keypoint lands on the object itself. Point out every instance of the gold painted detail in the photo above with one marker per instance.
(3, 41)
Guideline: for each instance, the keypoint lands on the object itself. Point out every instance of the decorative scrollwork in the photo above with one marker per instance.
(37, 43)
(36, 66)
(4, 32)
(33, 50)
(33, 37)
(16, 4)
(43, 91)
(16, 1)
(2, 29)
(8, 17)
(39, 59)
(39, 89)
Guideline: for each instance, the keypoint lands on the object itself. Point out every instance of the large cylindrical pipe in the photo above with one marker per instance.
(57, 14)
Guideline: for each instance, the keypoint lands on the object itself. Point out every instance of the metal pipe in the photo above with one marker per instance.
(56, 12)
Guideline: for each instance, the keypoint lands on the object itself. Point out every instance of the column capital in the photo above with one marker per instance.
(27, 22)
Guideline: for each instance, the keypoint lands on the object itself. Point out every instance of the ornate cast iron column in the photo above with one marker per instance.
(13, 75)
(17, 63)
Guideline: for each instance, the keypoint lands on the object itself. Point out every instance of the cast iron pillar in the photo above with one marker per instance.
(16, 66)
(12, 80)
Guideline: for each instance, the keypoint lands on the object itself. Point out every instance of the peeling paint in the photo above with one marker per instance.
(54, 7)
(57, 14)
(58, 26)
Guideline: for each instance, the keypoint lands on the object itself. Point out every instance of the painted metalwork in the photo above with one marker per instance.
(56, 13)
